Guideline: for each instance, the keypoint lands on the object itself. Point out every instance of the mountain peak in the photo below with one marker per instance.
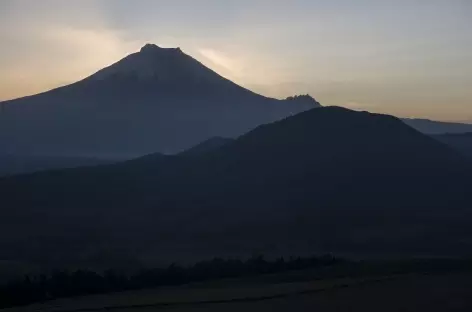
(150, 62)
(151, 48)
(305, 99)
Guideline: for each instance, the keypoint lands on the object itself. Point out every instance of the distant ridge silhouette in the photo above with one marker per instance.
(437, 127)
(459, 141)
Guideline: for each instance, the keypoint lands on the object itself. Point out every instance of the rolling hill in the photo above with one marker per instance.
(325, 180)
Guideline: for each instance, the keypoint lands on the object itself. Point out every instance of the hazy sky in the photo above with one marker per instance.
(404, 57)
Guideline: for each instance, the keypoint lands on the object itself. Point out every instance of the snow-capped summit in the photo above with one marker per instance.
(154, 100)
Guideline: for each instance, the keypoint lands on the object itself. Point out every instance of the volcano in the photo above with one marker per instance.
(155, 100)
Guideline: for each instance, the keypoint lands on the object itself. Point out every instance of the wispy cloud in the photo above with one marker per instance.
(228, 66)
(43, 49)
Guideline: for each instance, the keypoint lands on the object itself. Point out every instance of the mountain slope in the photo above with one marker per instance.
(459, 141)
(207, 146)
(302, 184)
(155, 100)
(437, 127)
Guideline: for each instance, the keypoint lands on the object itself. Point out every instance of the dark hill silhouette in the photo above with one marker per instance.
(460, 141)
(328, 179)
(207, 146)
(155, 100)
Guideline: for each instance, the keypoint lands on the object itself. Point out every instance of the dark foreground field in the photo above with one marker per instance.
(409, 292)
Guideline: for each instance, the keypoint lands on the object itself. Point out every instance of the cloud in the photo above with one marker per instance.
(85, 50)
(43, 49)
(251, 69)
(69, 54)
(419, 67)
(230, 67)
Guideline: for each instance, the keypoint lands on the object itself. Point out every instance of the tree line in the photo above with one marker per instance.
(61, 284)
